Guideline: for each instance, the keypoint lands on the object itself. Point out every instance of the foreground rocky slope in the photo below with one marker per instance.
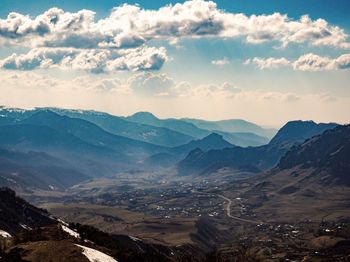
(31, 234)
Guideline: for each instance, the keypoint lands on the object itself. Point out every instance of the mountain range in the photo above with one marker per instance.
(312, 175)
(253, 159)
(66, 147)
(146, 127)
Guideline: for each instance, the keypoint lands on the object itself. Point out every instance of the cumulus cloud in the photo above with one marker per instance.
(307, 62)
(312, 62)
(119, 40)
(92, 60)
(139, 59)
(221, 62)
(268, 62)
(130, 26)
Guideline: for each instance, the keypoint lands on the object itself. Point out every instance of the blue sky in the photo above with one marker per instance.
(213, 60)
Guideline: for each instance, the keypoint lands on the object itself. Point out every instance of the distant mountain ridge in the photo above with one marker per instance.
(233, 126)
(119, 126)
(173, 124)
(66, 150)
(243, 137)
(145, 127)
(253, 159)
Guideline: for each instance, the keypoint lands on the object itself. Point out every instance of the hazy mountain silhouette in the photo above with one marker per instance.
(119, 126)
(233, 126)
(243, 137)
(173, 124)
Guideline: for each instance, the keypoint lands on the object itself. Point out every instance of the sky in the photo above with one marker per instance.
(265, 61)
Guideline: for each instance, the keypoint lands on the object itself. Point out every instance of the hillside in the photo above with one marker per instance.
(37, 170)
(31, 234)
(328, 153)
(17, 215)
(311, 180)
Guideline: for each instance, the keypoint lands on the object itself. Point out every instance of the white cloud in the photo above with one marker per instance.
(130, 26)
(307, 62)
(119, 41)
(140, 59)
(312, 62)
(271, 62)
(92, 60)
(221, 62)
(152, 84)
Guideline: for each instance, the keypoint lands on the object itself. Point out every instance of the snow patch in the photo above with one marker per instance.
(94, 255)
(25, 226)
(135, 238)
(62, 222)
(70, 231)
(4, 234)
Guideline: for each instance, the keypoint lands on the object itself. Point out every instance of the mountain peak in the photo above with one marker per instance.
(213, 137)
(45, 112)
(299, 130)
(143, 117)
(144, 114)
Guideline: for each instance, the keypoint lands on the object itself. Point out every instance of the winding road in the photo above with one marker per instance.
(228, 212)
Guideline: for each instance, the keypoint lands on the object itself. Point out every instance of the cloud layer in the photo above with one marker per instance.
(307, 62)
(91, 60)
(119, 41)
(131, 26)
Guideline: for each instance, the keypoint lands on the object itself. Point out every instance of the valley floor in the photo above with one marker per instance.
(228, 216)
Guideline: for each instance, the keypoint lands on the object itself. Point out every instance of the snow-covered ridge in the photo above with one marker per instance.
(4, 234)
(60, 220)
(94, 255)
(70, 231)
(13, 109)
